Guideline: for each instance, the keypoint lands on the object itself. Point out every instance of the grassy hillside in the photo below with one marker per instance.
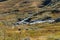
(11, 10)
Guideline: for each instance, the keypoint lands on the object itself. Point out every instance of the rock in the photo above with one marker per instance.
(26, 2)
(19, 19)
(15, 11)
(46, 2)
(28, 20)
(46, 18)
(19, 29)
(57, 39)
(27, 39)
(57, 20)
(55, 11)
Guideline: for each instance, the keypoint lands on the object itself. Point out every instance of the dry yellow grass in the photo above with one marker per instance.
(44, 31)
